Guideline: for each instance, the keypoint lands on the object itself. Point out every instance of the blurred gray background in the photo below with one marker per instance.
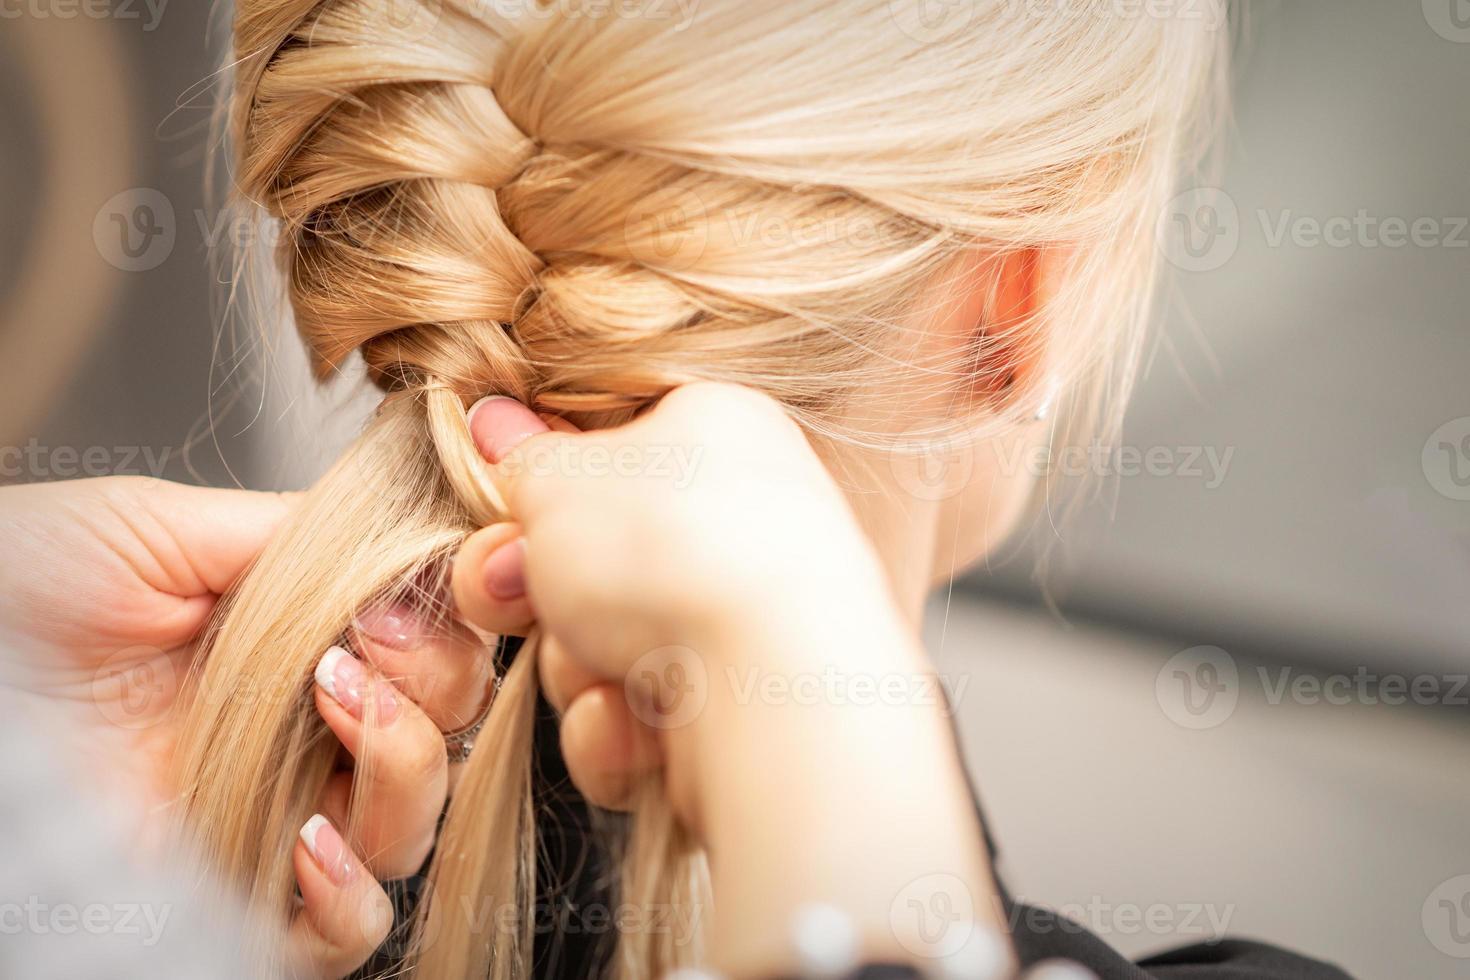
(1321, 358)
(1315, 349)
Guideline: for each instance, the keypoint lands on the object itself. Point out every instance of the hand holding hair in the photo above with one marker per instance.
(110, 586)
(749, 564)
(480, 201)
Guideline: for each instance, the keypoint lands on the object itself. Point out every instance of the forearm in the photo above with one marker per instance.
(854, 798)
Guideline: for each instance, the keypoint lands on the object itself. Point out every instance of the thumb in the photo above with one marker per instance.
(202, 539)
(521, 448)
(153, 556)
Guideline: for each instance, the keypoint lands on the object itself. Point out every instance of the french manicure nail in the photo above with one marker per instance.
(499, 424)
(328, 849)
(343, 676)
(505, 571)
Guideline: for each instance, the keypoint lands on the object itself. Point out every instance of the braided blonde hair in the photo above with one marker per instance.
(584, 205)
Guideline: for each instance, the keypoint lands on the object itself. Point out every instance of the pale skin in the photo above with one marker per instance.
(759, 563)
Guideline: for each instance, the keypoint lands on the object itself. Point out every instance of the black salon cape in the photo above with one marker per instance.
(575, 913)
(581, 870)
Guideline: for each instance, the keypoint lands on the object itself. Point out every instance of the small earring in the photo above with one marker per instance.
(1043, 411)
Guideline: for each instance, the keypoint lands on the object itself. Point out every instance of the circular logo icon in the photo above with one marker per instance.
(934, 917)
(1446, 459)
(1199, 687)
(135, 230)
(1199, 230)
(376, 918)
(136, 688)
(1446, 917)
(932, 467)
(669, 229)
(408, 20)
(1450, 19)
(668, 687)
(931, 21)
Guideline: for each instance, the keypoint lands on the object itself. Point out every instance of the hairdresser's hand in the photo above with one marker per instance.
(106, 585)
(705, 517)
(692, 573)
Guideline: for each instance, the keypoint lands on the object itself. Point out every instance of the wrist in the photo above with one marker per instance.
(838, 803)
(788, 682)
(817, 764)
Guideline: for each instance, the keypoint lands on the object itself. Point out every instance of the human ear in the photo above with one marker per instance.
(989, 322)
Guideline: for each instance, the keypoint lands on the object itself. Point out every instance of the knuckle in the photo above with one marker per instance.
(725, 396)
(406, 857)
(739, 419)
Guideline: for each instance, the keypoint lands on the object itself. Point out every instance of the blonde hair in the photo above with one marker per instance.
(584, 205)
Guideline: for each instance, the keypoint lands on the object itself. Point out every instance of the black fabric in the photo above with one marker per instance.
(582, 867)
(574, 936)
(574, 911)
(1041, 934)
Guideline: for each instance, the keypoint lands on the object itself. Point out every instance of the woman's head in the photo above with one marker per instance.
(904, 221)
(900, 219)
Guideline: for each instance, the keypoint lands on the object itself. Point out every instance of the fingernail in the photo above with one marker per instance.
(394, 624)
(499, 424)
(328, 849)
(505, 571)
(343, 676)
